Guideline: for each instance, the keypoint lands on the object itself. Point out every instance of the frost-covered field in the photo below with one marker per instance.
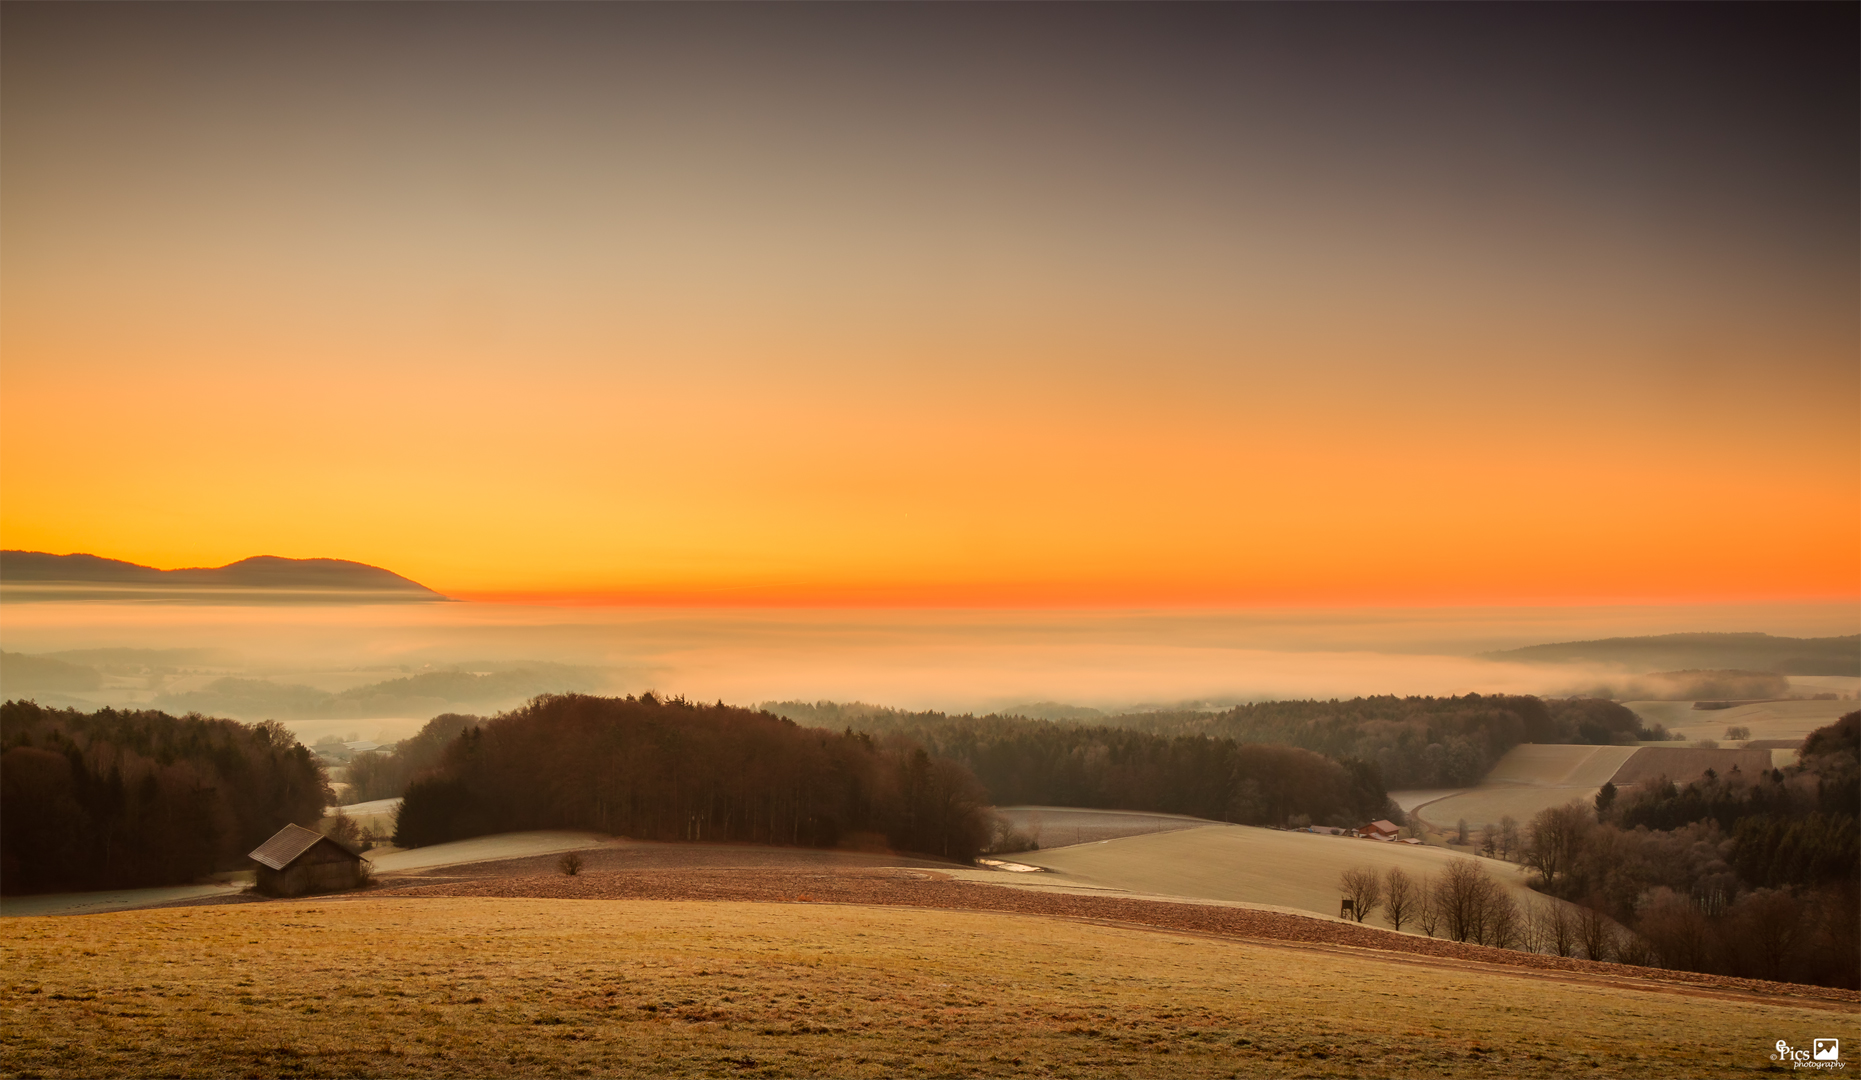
(498, 987)
(1296, 871)
(1527, 780)
(515, 845)
(1060, 826)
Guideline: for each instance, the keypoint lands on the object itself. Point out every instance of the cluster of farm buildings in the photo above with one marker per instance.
(1379, 829)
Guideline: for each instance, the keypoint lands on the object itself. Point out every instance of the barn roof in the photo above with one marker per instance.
(288, 843)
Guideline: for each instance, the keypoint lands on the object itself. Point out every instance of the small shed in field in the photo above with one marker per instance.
(296, 861)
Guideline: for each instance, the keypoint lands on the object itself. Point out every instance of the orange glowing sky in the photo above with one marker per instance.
(943, 305)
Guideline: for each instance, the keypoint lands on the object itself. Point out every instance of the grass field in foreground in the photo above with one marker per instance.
(384, 987)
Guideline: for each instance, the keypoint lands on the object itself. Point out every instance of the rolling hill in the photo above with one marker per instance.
(39, 575)
(1533, 778)
(1672, 652)
(1291, 871)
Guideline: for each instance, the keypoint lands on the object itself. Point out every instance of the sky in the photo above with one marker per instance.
(949, 305)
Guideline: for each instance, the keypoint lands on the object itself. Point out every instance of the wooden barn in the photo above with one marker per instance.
(1379, 830)
(296, 861)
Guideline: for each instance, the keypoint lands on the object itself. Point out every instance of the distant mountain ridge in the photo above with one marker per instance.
(1674, 652)
(42, 573)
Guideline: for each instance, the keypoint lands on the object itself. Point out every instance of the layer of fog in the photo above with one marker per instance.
(949, 660)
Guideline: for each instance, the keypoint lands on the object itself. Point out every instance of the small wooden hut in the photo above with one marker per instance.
(296, 861)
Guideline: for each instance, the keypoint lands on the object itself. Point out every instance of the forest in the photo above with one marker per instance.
(386, 776)
(1046, 763)
(1756, 875)
(1019, 761)
(120, 799)
(677, 770)
(1413, 742)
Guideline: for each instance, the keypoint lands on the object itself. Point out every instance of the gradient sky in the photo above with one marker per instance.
(954, 304)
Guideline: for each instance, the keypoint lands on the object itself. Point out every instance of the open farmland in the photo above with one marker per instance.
(1529, 779)
(1791, 720)
(446, 987)
(1295, 871)
(1536, 777)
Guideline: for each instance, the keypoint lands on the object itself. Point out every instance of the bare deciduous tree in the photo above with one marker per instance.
(1363, 888)
(1677, 928)
(343, 829)
(1595, 933)
(1560, 930)
(1428, 906)
(1473, 907)
(1457, 894)
(1503, 927)
(1508, 836)
(1555, 839)
(1769, 929)
(1533, 924)
(1631, 948)
(1399, 897)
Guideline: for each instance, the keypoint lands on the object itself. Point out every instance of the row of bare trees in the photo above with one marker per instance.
(1779, 934)
(1464, 903)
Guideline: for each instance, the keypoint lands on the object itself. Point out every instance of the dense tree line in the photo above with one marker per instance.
(1413, 742)
(1062, 763)
(1039, 762)
(116, 799)
(1754, 875)
(676, 770)
(1465, 903)
(386, 776)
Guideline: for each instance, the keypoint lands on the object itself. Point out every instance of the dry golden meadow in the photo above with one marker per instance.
(381, 986)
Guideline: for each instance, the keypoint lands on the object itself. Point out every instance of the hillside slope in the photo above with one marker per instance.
(1239, 863)
(44, 576)
(1673, 652)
